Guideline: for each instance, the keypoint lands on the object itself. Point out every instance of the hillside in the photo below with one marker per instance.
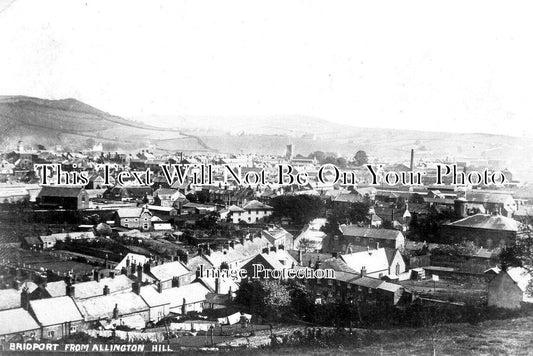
(270, 135)
(73, 124)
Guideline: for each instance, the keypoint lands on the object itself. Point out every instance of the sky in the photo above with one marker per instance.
(439, 66)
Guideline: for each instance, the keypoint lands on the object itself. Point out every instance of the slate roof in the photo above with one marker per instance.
(9, 298)
(60, 191)
(372, 260)
(384, 234)
(489, 222)
(256, 205)
(93, 289)
(134, 259)
(53, 311)
(482, 197)
(16, 321)
(367, 282)
(168, 271)
(193, 293)
(56, 289)
(130, 212)
(97, 308)
(152, 297)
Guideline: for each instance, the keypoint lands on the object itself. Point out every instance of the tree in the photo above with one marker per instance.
(352, 214)
(318, 155)
(265, 297)
(416, 199)
(360, 158)
(341, 162)
(520, 254)
(300, 208)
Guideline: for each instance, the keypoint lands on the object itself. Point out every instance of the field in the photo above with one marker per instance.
(495, 337)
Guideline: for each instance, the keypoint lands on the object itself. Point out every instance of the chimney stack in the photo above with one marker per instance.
(217, 285)
(106, 290)
(71, 290)
(25, 298)
(300, 256)
(115, 312)
(96, 276)
(160, 287)
(363, 271)
(147, 266)
(139, 273)
(136, 288)
(412, 159)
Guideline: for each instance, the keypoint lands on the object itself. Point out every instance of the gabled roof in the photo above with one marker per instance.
(384, 234)
(235, 208)
(168, 271)
(133, 258)
(483, 197)
(256, 205)
(93, 288)
(152, 297)
(347, 198)
(372, 260)
(9, 298)
(53, 311)
(131, 212)
(56, 289)
(192, 293)
(16, 321)
(276, 233)
(489, 222)
(97, 308)
(60, 191)
(367, 282)
(225, 284)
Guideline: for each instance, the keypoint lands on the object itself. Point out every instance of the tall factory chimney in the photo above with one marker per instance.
(412, 159)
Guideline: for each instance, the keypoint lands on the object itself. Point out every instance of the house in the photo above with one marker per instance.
(310, 239)
(134, 218)
(375, 291)
(184, 299)
(255, 211)
(492, 202)
(267, 261)
(508, 289)
(158, 305)
(49, 241)
(345, 200)
(58, 317)
(171, 274)
(235, 213)
(170, 197)
(371, 263)
(9, 298)
(63, 197)
(236, 254)
(121, 307)
(17, 323)
(34, 242)
(397, 264)
(278, 237)
(373, 237)
(489, 231)
(13, 195)
(131, 259)
(125, 193)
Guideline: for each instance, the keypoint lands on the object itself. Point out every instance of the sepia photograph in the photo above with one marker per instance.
(298, 177)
